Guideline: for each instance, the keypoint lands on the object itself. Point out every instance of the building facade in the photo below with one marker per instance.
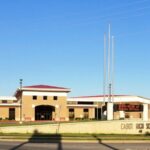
(97, 107)
(51, 103)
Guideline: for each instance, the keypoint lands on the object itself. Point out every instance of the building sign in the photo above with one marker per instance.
(128, 107)
(137, 126)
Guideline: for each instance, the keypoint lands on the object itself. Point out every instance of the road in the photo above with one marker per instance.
(73, 146)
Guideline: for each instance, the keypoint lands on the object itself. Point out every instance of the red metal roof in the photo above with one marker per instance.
(44, 87)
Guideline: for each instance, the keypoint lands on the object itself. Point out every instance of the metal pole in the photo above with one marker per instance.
(109, 53)
(112, 68)
(21, 100)
(109, 65)
(104, 81)
(104, 77)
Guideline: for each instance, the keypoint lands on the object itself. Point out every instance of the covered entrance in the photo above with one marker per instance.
(44, 112)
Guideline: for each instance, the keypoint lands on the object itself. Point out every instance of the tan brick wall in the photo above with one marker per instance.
(28, 106)
(78, 112)
(99, 127)
(91, 113)
(135, 115)
(116, 115)
(4, 112)
(17, 113)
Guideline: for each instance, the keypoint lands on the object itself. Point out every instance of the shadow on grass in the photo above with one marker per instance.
(104, 144)
(41, 138)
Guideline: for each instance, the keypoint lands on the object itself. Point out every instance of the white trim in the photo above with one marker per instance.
(47, 89)
(79, 105)
(30, 93)
(9, 104)
(116, 99)
(8, 98)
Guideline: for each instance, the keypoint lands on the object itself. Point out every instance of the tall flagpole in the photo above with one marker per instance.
(110, 75)
(112, 69)
(109, 67)
(104, 77)
(104, 80)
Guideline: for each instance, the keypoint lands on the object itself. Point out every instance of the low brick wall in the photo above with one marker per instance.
(104, 127)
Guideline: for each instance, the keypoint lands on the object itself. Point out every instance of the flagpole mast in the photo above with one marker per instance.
(109, 67)
(112, 68)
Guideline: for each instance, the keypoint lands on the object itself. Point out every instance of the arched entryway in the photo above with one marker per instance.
(44, 112)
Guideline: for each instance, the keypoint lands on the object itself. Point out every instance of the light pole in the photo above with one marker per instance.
(21, 80)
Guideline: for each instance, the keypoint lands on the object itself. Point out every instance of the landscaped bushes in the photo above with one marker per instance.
(5, 119)
(84, 119)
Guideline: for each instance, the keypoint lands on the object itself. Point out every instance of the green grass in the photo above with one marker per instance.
(69, 136)
(11, 123)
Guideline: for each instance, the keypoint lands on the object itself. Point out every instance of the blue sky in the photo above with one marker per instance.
(61, 43)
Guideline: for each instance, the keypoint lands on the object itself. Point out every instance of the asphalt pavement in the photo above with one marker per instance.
(5, 145)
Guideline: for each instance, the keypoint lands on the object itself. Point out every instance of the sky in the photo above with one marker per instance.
(61, 43)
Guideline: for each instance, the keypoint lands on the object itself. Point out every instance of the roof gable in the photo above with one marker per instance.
(43, 87)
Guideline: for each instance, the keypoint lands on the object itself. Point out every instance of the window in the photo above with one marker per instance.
(86, 110)
(71, 102)
(34, 97)
(55, 98)
(85, 103)
(4, 101)
(86, 113)
(71, 110)
(44, 97)
(71, 113)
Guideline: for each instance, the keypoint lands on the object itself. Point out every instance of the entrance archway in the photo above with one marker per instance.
(44, 112)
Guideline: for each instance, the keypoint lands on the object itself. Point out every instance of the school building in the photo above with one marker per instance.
(43, 102)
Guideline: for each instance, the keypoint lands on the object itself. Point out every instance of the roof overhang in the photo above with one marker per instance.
(45, 89)
(116, 99)
(13, 104)
(20, 90)
(11, 98)
(81, 105)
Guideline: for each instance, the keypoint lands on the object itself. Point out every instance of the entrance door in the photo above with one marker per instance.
(11, 113)
(98, 113)
(43, 112)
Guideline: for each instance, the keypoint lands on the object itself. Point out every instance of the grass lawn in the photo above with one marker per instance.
(16, 123)
(69, 136)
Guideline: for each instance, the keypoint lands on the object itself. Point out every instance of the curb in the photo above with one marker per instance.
(46, 140)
